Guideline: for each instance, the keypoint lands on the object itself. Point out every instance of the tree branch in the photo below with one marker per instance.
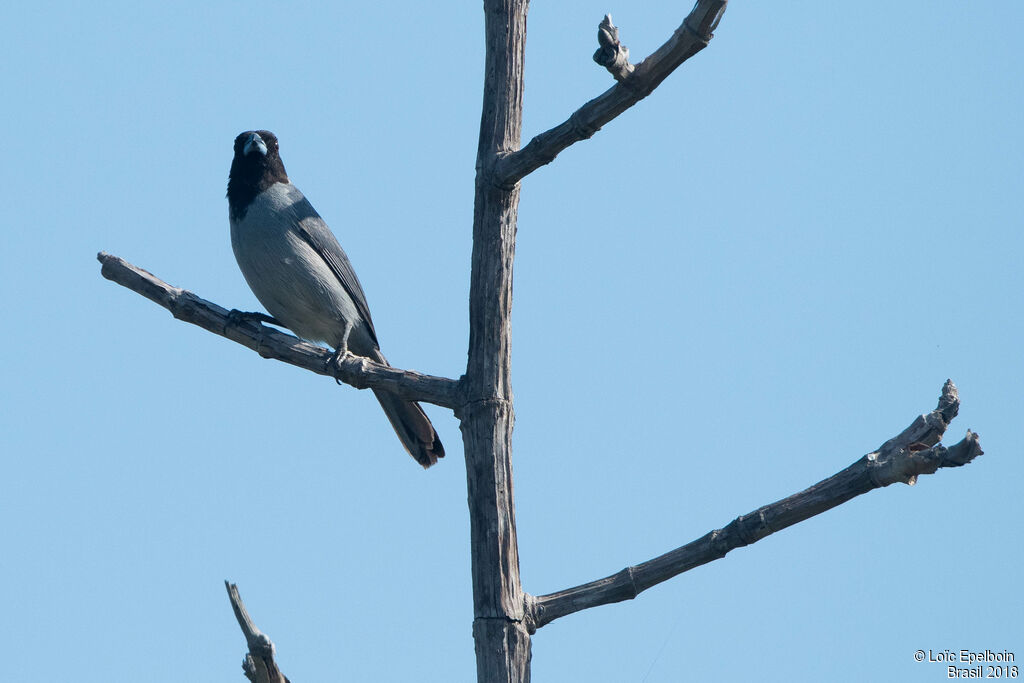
(354, 370)
(259, 665)
(692, 36)
(915, 451)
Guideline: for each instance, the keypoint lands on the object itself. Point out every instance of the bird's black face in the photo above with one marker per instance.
(261, 143)
(257, 165)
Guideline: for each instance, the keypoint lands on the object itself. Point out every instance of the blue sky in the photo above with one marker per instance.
(739, 287)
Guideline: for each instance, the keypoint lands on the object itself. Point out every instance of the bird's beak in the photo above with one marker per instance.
(254, 143)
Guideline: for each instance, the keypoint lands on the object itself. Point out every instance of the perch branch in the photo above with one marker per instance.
(915, 451)
(259, 665)
(357, 371)
(634, 84)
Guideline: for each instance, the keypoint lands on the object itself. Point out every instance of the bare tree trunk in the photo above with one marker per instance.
(487, 417)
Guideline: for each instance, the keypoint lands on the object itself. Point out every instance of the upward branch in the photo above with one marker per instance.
(912, 452)
(634, 84)
(259, 664)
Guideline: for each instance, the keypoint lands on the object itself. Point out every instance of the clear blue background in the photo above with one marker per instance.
(739, 287)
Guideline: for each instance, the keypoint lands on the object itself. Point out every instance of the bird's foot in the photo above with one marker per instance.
(236, 316)
(334, 362)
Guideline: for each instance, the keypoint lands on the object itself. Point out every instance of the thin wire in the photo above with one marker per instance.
(668, 637)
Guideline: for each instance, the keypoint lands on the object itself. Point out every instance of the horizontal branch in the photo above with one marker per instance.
(259, 665)
(354, 370)
(915, 451)
(690, 38)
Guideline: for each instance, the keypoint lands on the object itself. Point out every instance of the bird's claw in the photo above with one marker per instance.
(236, 317)
(334, 362)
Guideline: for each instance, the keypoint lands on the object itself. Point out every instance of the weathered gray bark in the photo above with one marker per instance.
(901, 459)
(692, 36)
(504, 616)
(361, 373)
(501, 637)
(259, 665)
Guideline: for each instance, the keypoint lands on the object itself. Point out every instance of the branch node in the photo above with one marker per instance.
(765, 529)
(717, 541)
(465, 408)
(501, 181)
(631, 576)
(580, 127)
(687, 27)
(531, 613)
(612, 55)
(906, 464)
(703, 35)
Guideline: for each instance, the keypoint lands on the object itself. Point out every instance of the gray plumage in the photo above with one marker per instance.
(299, 272)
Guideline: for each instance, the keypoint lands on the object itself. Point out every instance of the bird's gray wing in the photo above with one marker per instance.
(312, 228)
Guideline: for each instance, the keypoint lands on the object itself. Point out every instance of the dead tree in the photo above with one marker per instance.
(505, 616)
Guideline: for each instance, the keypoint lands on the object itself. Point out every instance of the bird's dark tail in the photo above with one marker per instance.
(413, 427)
(411, 424)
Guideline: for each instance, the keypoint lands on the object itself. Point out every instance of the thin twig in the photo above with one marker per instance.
(913, 452)
(356, 371)
(691, 37)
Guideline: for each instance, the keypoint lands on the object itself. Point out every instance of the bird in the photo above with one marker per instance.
(298, 271)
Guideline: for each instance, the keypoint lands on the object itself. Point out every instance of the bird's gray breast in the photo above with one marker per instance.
(288, 276)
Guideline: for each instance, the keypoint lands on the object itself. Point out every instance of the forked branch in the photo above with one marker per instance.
(913, 452)
(259, 665)
(634, 84)
(356, 371)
